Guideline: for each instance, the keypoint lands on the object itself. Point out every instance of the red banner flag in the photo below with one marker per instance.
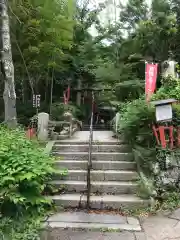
(67, 96)
(151, 76)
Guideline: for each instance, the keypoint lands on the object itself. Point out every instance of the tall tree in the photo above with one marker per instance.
(132, 13)
(7, 68)
(42, 32)
(156, 36)
(82, 55)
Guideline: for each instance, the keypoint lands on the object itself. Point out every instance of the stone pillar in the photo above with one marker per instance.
(43, 120)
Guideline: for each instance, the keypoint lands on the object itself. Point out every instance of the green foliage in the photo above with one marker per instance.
(23, 228)
(42, 32)
(146, 187)
(27, 111)
(170, 89)
(136, 121)
(171, 201)
(138, 116)
(24, 173)
(51, 40)
(151, 33)
(51, 43)
(134, 12)
(158, 34)
(58, 109)
(136, 125)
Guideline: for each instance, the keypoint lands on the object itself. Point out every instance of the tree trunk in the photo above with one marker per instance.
(7, 68)
(51, 94)
(23, 90)
(78, 97)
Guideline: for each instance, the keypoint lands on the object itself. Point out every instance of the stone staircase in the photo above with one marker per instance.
(98, 127)
(113, 175)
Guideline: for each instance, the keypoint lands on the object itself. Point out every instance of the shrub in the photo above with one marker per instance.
(138, 116)
(135, 123)
(136, 127)
(26, 111)
(58, 109)
(24, 172)
(24, 228)
(169, 89)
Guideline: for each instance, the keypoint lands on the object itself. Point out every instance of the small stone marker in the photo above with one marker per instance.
(43, 119)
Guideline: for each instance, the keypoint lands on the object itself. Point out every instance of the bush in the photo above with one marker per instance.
(58, 109)
(169, 89)
(26, 111)
(136, 127)
(24, 228)
(137, 117)
(135, 123)
(24, 172)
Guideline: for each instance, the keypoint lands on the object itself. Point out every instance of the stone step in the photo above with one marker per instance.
(93, 221)
(96, 165)
(96, 148)
(112, 187)
(76, 200)
(97, 129)
(83, 142)
(101, 156)
(99, 175)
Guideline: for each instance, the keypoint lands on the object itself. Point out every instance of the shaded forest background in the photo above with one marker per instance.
(52, 47)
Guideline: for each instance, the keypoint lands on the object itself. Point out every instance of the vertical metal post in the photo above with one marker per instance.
(90, 154)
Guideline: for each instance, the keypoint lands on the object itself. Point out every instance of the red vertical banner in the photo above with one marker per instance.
(67, 96)
(151, 76)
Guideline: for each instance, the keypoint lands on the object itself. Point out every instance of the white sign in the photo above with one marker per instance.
(36, 101)
(164, 112)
